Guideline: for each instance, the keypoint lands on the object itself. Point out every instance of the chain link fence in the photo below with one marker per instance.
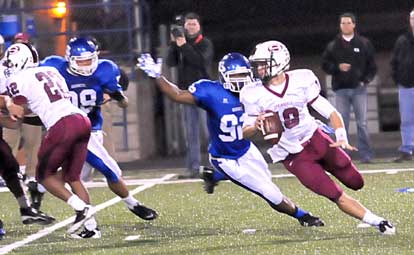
(121, 28)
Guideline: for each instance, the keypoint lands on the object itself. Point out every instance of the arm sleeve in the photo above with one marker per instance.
(371, 67)
(329, 64)
(323, 107)
(200, 90)
(111, 77)
(251, 109)
(15, 88)
(199, 55)
(172, 55)
(395, 58)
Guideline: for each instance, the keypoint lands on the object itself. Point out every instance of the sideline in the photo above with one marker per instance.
(46, 231)
(135, 182)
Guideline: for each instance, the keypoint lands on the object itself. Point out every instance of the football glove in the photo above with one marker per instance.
(147, 64)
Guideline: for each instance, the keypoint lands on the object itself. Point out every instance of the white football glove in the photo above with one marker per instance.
(146, 63)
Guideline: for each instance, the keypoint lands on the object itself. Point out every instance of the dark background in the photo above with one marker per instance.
(305, 26)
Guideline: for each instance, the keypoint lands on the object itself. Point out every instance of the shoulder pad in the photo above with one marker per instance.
(53, 61)
(107, 65)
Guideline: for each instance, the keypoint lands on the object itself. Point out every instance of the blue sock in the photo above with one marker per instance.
(219, 176)
(299, 213)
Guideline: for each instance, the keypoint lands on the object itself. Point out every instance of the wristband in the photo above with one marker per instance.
(340, 134)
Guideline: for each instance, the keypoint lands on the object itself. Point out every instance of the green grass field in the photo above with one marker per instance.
(192, 222)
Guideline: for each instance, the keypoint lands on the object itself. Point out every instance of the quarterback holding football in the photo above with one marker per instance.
(304, 149)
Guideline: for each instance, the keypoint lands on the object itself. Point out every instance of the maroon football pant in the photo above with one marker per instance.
(65, 145)
(317, 158)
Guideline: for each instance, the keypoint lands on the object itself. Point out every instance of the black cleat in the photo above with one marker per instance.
(35, 195)
(144, 212)
(94, 234)
(386, 228)
(33, 216)
(308, 220)
(206, 173)
(81, 217)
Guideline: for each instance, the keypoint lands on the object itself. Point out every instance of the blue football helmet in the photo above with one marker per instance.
(82, 55)
(234, 71)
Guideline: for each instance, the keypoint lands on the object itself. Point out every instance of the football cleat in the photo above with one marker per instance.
(207, 174)
(94, 234)
(32, 216)
(35, 195)
(386, 228)
(81, 217)
(144, 212)
(2, 231)
(308, 220)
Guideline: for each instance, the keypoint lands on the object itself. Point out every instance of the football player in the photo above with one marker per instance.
(304, 149)
(235, 157)
(43, 91)
(9, 168)
(88, 78)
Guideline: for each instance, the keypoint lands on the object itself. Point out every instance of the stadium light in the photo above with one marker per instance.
(59, 10)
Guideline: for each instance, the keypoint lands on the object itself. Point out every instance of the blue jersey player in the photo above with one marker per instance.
(236, 158)
(88, 79)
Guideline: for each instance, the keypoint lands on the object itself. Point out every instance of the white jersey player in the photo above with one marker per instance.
(43, 91)
(291, 101)
(304, 149)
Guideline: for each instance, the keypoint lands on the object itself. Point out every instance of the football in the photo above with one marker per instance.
(272, 127)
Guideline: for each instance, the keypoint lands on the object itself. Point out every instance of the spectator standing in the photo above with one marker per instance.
(192, 53)
(402, 68)
(349, 58)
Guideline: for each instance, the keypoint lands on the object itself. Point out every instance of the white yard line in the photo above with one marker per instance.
(146, 184)
(135, 182)
(46, 231)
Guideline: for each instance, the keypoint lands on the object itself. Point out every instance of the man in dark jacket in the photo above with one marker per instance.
(349, 58)
(192, 53)
(402, 66)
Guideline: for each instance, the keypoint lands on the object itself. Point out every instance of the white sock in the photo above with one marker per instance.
(130, 201)
(76, 203)
(22, 169)
(371, 218)
(91, 224)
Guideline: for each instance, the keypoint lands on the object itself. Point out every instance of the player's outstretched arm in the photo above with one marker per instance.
(153, 69)
(173, 92)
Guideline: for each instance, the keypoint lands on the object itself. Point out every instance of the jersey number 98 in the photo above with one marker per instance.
(85, 100)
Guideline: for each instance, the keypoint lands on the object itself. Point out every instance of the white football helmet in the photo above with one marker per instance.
(19, 56)
(273, 56)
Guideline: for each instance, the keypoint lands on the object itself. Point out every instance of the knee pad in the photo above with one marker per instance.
(350, 176)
